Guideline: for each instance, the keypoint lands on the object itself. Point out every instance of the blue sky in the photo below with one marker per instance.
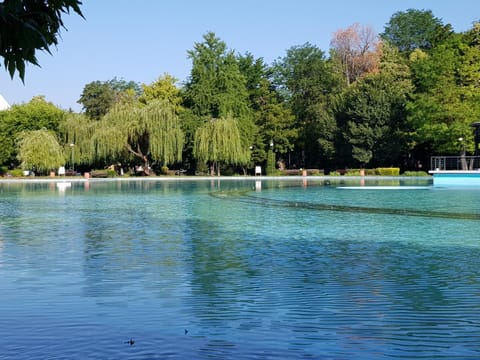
(141, 40)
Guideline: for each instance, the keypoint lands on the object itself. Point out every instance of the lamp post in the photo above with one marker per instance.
(463, 160)
(273, 158)
(463, 144)
(72, 145)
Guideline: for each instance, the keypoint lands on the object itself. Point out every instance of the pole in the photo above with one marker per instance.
(273, 159)
(73, 156)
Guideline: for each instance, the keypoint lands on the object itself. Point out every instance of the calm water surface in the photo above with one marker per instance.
(224, 269)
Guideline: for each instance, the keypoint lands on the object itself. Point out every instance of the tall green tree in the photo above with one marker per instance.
(273, 117)
(447, 97)
(30, 25)
(372, 114)
(217, 89)
(35, 115)
(308, 82)
(39, 150)
(415, 29)
(374, 120)
(98, 97)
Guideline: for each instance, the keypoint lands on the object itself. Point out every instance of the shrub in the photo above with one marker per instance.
(353, 172)
(316, 172)
(3, 170)
(16, 172)
(164, 170)
(388, 171)
(415, 173)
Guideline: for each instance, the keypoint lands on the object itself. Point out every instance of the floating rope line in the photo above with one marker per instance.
(244, 197)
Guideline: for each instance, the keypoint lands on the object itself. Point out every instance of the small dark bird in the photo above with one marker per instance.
(130, 342)
(186, 331)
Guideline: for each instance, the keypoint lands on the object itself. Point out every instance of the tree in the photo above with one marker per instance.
(163, 89)
(272, 115)
(217, 88)
(356, 50)
(35, 115)
(306, 79)
(415, 29)
(39, 150)
(78, 129)
(98, 97)
(219, 141)
(447, 97)
(372, 114)
(149, 133)
(30, 25)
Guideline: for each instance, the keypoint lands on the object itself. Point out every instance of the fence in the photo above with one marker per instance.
(455, 162)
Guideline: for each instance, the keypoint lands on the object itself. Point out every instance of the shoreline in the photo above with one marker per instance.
(204, 178)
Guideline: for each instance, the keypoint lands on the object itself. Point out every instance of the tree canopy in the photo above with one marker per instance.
(35, 115)
(370, 101)
(39, 150)
(99, 96)
(415, 29)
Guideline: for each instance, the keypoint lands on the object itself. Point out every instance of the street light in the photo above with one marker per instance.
(461, 142)
(273, 158)
(72, 145)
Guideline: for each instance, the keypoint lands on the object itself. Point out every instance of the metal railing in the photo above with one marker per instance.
(455, 162)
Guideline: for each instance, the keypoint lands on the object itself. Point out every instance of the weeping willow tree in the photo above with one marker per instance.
(39, 150)
(78, 131)
(150, 133)
(219, 141)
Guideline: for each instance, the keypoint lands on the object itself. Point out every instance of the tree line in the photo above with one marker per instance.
(374, 100)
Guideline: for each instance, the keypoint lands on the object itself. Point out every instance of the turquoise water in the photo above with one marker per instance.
(226, 269)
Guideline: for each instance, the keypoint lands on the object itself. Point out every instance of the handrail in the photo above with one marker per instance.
(461, 162)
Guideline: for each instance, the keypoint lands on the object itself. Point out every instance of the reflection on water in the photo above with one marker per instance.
(280, 270)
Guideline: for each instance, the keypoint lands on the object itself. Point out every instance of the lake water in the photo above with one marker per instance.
(239, 269)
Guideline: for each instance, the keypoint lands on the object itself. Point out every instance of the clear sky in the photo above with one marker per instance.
(141, 40)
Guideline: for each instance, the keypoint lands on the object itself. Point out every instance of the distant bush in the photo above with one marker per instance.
(316, 172)
(415, 173)
(16, 172)
(334, 173)
(164, 170)
(388, 171)
(3, 170)
(352, 172)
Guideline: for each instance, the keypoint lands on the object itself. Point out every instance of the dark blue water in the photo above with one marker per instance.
(238, 270)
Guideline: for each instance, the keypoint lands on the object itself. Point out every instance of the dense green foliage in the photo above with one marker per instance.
(415, 29)
(30, 25)
(99, 96)
(388, 101)
(34, 115)
(40, 151)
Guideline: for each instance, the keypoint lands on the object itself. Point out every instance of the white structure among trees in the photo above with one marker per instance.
(3, 103)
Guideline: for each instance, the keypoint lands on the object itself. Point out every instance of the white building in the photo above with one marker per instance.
(3, 103)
